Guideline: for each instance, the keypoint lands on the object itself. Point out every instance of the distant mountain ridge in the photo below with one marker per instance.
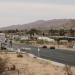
(44, 25)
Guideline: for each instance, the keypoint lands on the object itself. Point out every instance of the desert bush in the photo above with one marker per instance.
(3, 48)
(42, 42)
(16, 39)
(28, 42)
(19, 55)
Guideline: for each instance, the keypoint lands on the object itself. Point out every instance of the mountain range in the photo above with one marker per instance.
(44, 25)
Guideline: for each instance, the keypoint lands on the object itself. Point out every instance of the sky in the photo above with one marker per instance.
(14, 12)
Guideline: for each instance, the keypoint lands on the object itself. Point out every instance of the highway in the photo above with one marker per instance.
(57, 55)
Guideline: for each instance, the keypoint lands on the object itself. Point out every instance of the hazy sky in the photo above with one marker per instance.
(24, 11)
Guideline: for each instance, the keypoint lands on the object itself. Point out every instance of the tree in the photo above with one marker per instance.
(10, 43)
(71, 32)
(16, 30)
(33, 31)
(61, 32)
(43, 34)
(51, 32)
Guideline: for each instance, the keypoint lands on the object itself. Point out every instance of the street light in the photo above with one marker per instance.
(38, 52)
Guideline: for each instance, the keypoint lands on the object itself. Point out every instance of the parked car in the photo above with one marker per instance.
(52, 47)
(44, 46)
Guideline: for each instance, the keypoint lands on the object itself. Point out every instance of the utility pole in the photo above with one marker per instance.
(18, 72)
(38, 52)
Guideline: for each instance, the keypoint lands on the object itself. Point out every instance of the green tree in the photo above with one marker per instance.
(33, 31)
(51, 32)
(71, 31)
(61, 32)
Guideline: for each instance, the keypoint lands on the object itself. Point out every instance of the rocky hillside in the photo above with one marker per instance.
(45, 24)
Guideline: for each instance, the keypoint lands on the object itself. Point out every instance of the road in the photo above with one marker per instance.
(61, 56)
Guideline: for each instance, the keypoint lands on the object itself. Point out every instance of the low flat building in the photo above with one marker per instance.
(46, 39)
(2, 37)
(24, 38)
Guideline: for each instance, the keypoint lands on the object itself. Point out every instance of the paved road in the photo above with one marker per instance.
(61, 56)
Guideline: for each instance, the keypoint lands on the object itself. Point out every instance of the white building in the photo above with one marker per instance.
(2, 37)
(15, 37)
(46, 39)
(24, 38)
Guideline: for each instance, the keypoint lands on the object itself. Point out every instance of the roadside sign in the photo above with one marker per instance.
(38, 49)
(19, 51)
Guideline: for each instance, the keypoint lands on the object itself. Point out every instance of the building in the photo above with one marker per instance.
(2, 37)
(46, 39)
(24, 38)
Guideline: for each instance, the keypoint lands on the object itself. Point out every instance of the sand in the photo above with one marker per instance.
(28, 65)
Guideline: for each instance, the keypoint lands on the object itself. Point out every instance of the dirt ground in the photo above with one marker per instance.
(28, 65)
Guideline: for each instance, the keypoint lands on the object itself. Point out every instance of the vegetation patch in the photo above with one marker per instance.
(2, 65)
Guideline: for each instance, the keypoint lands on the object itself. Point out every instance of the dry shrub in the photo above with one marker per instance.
(2, 65)
(19, 55)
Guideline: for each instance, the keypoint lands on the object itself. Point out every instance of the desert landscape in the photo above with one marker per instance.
(29, 65)
(37, 37)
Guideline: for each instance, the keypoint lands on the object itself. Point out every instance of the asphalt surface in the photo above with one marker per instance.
(57, 55)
